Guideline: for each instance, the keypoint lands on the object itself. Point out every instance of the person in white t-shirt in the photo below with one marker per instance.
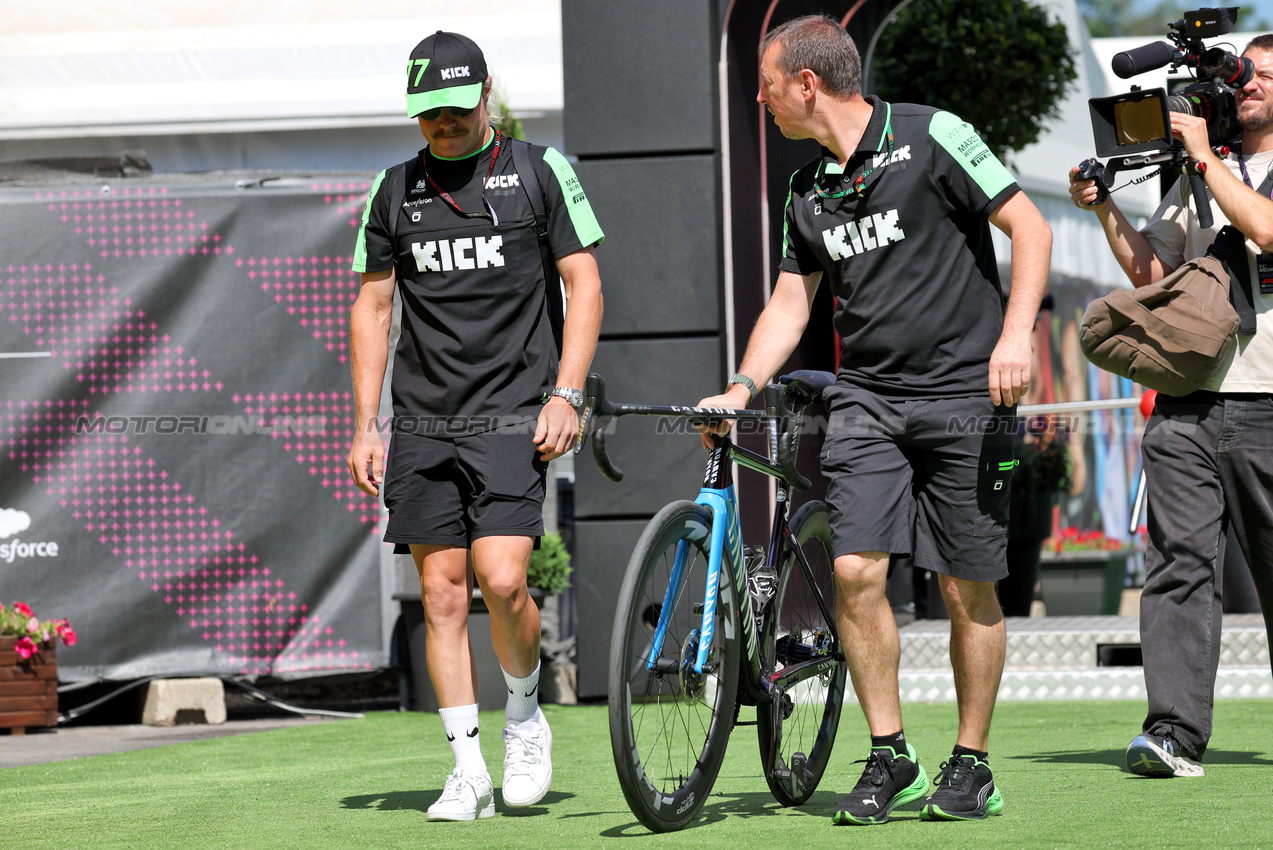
(1208, 455)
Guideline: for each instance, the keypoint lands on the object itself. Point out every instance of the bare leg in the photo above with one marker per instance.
(869, 634)
(977, 643)
(446, 586)
(500, 564)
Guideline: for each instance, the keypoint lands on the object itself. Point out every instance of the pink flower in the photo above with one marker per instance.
(33, 625)
(23, 609)
(66, 633)
(25, 648)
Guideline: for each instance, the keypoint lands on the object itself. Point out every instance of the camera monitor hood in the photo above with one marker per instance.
(1130, 123)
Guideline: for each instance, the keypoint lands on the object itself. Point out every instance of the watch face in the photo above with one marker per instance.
(570, 394)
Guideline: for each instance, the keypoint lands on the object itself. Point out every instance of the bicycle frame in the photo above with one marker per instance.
(717, 494)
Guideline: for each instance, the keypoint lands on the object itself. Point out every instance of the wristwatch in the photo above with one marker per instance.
(570, 394)
(740, 378)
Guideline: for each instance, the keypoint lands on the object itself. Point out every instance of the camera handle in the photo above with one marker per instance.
(1093, 169)
(1198, 186)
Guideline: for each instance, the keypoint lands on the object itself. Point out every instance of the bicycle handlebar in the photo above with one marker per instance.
(598, 408)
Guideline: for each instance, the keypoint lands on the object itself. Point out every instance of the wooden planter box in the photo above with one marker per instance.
(28, 689)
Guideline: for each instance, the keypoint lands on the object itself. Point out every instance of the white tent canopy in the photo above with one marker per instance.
(78, 68)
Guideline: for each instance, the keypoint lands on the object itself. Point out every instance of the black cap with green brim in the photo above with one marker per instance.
(446, 69)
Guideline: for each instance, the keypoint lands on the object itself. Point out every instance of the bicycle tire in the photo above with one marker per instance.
(668, 738)
(796, 737)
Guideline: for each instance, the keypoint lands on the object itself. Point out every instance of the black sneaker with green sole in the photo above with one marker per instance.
(965, 791)
(889, 780)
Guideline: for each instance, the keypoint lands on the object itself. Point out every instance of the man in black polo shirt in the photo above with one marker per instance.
(918, 454)
(472, 233)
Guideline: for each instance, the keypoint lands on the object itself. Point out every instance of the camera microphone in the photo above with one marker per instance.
(1138, 60)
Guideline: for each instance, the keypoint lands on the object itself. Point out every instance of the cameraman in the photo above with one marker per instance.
(1208, 455)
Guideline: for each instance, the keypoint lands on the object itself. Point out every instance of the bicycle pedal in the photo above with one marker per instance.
(697, 608)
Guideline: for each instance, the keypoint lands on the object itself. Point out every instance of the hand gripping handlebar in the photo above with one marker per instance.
(599, 411)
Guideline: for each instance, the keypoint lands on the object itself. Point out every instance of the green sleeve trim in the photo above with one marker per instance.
(581, 215)
(786, 237)
(967, 148)
(360, 245)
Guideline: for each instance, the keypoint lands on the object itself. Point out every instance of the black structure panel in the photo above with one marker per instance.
(661, 261)
(658, 467)
(640, 76)
(602, 549)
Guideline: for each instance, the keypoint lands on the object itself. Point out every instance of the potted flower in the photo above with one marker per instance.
(1072, 540)
(28, 667)
(1086, 571)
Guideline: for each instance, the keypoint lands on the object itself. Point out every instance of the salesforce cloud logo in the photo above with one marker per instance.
(13, 522)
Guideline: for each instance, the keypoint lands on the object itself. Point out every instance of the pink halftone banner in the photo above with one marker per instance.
(323, 454)
(145, 517)
(141, 222)
(350, 197)
(133, 507)
(317, 291)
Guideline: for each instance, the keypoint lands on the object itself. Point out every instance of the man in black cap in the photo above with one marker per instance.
(473, 233)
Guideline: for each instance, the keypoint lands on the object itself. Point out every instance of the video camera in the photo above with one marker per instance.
(1134, 128)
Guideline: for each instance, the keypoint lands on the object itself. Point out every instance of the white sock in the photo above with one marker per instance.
(523, 696)
(460, 724)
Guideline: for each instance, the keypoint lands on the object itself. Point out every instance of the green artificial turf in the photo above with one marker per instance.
(366, 784)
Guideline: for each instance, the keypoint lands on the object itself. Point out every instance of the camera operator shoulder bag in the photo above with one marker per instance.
(1171, 336)
(1175, 335)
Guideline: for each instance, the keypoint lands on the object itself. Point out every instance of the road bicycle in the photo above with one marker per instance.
(761, 634)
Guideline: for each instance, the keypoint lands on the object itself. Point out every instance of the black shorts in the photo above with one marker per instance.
(449, 492)
(929, 477)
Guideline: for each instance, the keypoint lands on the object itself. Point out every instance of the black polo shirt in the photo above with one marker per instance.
(910, 257)
(476, 350)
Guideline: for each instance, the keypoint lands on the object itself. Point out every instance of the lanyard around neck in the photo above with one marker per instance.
(490, 169)
(1246, 178)
(859, 183)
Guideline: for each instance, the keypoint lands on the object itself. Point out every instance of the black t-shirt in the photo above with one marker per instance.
(911, 260)
(476, 350)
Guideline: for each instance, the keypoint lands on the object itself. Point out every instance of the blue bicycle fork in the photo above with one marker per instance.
(722, 505)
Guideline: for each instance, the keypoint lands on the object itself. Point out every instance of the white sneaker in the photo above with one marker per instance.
(467, 796)
(528, 762)
(1156, 755)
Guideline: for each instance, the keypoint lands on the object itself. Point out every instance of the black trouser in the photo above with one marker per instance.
(1209, 464)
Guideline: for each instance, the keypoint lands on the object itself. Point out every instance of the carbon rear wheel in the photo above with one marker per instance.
(797, 730)
(669, 725)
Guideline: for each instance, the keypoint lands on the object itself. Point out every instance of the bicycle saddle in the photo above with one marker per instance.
(810, 382)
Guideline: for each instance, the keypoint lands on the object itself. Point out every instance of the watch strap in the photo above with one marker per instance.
(740, 378)
(570, 394)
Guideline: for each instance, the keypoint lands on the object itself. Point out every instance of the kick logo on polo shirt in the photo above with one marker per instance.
(890, 157)
(862, 235)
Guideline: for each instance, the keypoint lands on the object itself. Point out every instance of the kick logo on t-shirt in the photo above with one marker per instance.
(447, 255)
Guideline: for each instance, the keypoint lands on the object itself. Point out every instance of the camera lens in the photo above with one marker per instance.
(1190, 105)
